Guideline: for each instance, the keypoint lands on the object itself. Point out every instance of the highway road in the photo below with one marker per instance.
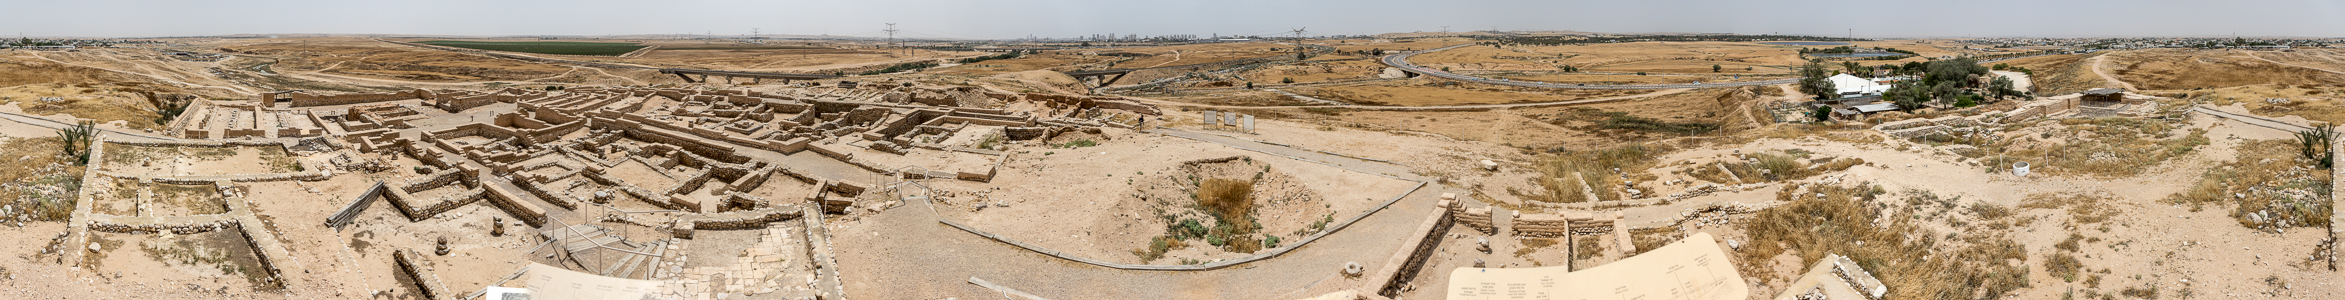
(1402, 61)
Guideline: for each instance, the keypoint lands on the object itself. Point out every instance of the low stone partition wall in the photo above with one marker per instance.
(320, 174)
(735, 220)
(1478, 218)
(174, 225)
(427, 281)
(417, 210)
(531, 187)
(432, 181)
(1569, 223)
(350, 212)
(1405, 264)
(499, 196)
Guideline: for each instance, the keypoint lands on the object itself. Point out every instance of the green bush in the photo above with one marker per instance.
(1012, 54)
(903, 67)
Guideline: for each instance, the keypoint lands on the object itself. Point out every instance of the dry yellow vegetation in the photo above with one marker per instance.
(2183, 69)
(1408, 95)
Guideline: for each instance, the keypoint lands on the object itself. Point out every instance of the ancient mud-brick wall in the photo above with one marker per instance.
(239, 133)
(106, 225)
(1128, 105)
(1478, 218)
(505, 200)
(689, 184)
(801, 120)
(646, 195)
(551, 115)
(753, 179)
(200, 144)
(426, 282)
(971, 116)
(866, 115)
(673, 94)
(827, 107)
(453, 102)
(743, 219)
(978, 121)
(717, 152)
(787, 107)
(1542, 225)
(537, 188)
(555, 132)
(1029, 133)
(307, 99)
(433, 180)
(443, 204)
(1059, 101)
(518, 121)
(196, 112)
(1390, 279)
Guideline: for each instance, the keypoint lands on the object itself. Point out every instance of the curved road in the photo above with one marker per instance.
(1402, 61)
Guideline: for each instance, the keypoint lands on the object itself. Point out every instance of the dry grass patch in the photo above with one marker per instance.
(2182, 69)
(40, 184)
(2271, 186)
(1532, 246)
(2103, 147)
(1561, 175)
(1916, 260)
(2082, 208)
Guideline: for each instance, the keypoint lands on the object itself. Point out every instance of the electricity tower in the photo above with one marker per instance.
(892, 36)
(1299, 42)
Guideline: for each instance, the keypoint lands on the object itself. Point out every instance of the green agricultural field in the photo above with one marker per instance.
(562, 48)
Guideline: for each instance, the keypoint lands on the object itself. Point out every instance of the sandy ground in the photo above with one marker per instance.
(1091, 191)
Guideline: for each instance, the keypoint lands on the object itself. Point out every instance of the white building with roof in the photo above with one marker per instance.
(1852, 86)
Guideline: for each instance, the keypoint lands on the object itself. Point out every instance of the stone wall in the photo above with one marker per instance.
(427, 282)
(1478, 218)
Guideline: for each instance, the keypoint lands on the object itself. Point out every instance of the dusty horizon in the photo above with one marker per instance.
(1061, 19)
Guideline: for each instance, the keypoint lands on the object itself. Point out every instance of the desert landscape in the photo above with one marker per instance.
(1468, 164)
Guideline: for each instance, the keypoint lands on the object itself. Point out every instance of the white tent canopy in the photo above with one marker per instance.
(1850, 85)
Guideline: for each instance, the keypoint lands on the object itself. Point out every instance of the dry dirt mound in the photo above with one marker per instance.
(1223, 208)
(1049, 79)
(2181, 69)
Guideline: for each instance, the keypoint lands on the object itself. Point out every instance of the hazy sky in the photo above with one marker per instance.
(1068, 18)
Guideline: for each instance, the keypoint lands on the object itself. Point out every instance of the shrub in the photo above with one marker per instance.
(1010, 55)
(903, 67)
(76, 147)
(2314, 144)
(1229, 200)
(2063, 265)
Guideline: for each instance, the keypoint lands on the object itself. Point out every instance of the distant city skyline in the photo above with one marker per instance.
(1011, 19)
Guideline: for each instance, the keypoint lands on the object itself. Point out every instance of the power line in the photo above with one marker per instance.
(892, 36)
